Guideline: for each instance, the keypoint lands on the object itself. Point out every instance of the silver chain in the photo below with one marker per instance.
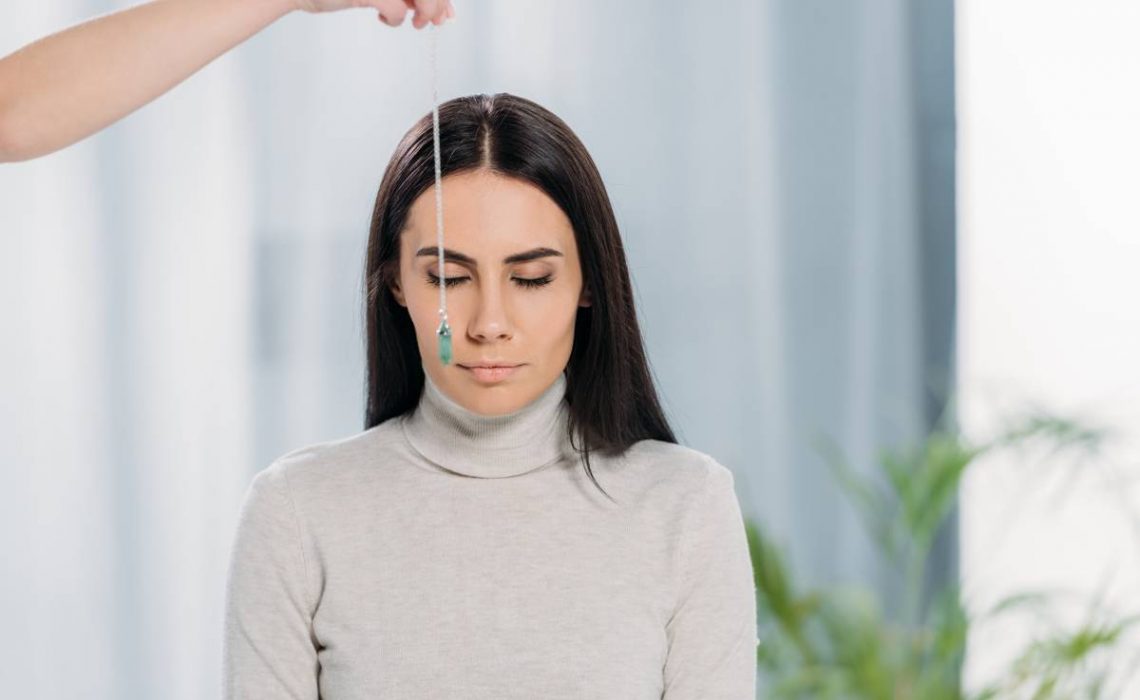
(444, 331)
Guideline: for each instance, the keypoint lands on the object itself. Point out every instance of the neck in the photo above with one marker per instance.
(473, 444)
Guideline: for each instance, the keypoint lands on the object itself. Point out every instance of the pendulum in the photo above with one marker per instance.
(444, 330)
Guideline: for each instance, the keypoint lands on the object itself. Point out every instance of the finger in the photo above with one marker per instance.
(429, 8)
(446, 12)
(421, 18)
(392, 12)
(416, 18)
(427, 11)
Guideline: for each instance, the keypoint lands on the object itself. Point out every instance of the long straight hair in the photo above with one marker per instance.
(611, 396)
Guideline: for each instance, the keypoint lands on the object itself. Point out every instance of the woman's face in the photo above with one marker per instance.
(514, 291)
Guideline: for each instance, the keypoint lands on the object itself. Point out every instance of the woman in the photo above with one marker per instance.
(531, 532)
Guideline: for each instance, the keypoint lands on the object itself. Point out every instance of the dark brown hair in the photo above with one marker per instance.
(610, 393)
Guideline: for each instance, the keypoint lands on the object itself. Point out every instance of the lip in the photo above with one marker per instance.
(489, 374)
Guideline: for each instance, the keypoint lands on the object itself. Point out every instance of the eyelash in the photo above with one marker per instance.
(523, 281)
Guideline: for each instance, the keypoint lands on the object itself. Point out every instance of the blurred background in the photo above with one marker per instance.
(845, 221)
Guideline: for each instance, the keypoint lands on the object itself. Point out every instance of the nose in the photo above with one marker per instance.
(489, 320)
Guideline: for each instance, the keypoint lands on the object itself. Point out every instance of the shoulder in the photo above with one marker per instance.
(674, 461)
(340, 460)
(678, 471)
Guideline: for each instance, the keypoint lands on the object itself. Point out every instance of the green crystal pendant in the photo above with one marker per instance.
(444, 334)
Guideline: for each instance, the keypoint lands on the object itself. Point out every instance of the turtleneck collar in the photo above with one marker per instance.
(474, 444)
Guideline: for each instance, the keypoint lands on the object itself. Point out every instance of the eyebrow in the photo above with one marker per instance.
(456, 256)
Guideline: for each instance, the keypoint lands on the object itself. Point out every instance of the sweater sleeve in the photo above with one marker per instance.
(269, 651)
(712, 634)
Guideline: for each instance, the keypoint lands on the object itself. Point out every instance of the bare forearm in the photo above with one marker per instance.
(71, 84)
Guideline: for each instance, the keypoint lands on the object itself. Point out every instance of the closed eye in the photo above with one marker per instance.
(526, 282)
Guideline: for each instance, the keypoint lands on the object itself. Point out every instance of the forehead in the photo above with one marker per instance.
(487, 211)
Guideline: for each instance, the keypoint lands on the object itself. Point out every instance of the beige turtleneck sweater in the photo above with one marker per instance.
(446, 554)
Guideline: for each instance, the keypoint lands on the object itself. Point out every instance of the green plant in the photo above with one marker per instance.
(839, 643)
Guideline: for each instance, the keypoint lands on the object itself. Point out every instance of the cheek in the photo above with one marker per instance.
(423, 307)
(555, 315)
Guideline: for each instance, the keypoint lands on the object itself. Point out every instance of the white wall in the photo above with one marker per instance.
(1049, 311)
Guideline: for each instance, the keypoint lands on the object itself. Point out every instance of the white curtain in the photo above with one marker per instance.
(181, 293)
